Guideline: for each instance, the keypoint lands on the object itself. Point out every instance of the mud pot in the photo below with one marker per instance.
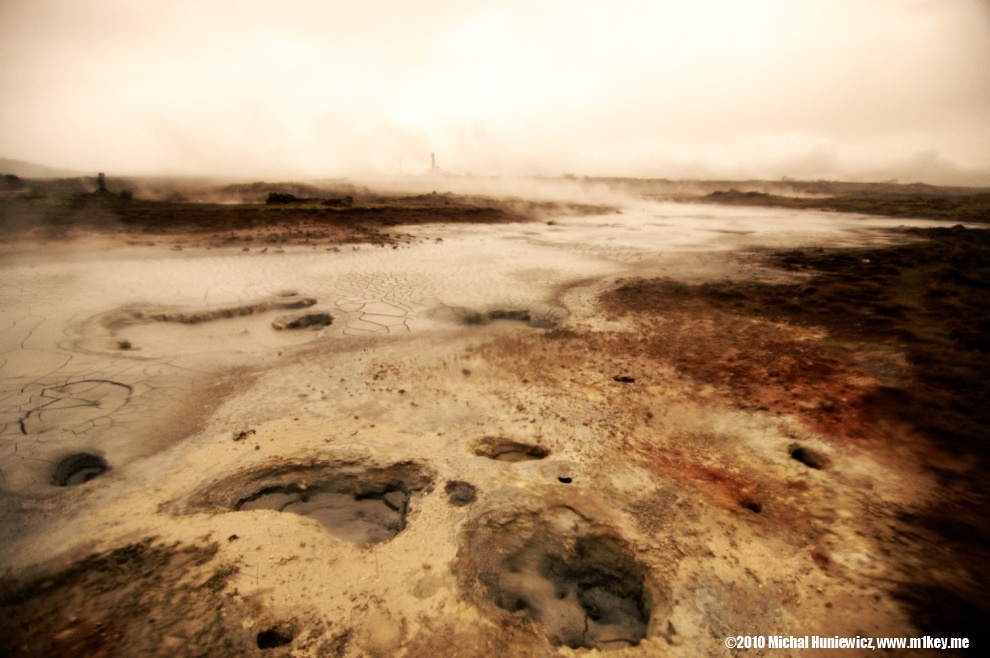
(571, 578)
(436, 424)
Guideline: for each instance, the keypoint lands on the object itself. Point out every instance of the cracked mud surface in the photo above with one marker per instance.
(711, 437)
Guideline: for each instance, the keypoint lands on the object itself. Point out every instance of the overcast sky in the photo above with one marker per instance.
(855, 89)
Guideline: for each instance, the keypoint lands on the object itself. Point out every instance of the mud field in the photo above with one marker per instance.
(444, 425)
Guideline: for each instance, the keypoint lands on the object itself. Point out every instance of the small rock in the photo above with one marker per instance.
(461, 493)
(395, 499)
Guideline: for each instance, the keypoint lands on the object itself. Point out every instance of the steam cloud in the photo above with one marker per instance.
(304, 88)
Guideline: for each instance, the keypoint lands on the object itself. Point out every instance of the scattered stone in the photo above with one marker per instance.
(240, 436)
(624, 379)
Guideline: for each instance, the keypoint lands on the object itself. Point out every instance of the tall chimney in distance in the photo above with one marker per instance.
(433, 162)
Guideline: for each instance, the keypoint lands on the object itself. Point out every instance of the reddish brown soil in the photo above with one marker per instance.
(821, 350)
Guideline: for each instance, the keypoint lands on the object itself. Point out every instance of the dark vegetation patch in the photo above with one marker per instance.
(563, 572)
(78, 468)
(131, 601)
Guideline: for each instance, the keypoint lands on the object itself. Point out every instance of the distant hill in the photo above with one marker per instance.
(31, 170)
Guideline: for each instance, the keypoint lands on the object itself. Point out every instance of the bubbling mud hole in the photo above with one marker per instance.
(356, 503)
(78, 468)
(538, 318)
(507, 450)
(562, 571)
(275, 637)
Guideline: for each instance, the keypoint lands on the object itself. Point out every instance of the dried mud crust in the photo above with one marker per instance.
(355, 502)
(569, 575)
(142, 599)
(815, 350)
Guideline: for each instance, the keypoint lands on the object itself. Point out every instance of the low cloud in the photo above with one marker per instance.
(823, 89)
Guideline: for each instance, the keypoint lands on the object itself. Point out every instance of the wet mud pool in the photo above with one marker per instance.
(634, 433)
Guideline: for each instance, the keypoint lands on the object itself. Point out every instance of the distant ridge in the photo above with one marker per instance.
(31, 170)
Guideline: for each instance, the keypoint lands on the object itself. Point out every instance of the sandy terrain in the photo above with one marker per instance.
(447, 425)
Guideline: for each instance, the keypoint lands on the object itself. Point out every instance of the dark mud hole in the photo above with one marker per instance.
(78, 468)
(558, 569)
(508, 450)
(360, 518)
(808, 457)
(356, 503)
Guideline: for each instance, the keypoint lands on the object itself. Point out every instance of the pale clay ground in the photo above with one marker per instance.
(399, 377)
